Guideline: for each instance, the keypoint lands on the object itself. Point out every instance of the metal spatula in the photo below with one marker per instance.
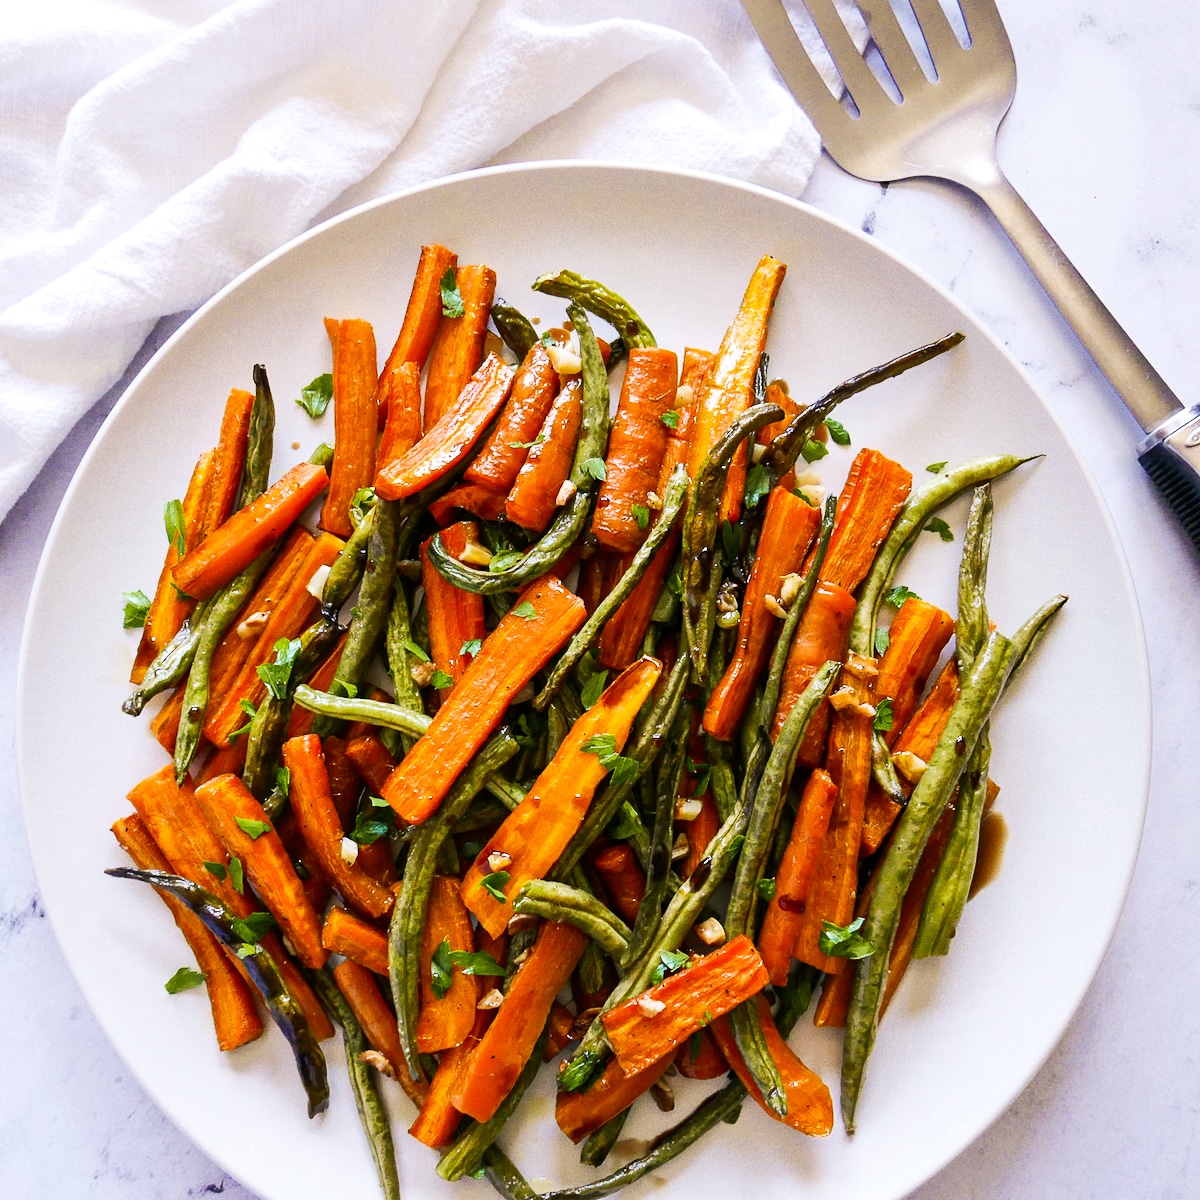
(947, 130)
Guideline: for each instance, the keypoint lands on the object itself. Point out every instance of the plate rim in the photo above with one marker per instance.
(1143, 734)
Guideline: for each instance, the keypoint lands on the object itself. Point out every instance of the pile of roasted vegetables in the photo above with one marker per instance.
(566, 730)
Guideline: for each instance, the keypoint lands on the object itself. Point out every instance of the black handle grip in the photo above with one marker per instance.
(1174, 466)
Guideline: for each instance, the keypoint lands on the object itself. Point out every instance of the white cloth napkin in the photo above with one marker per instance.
(149, 153)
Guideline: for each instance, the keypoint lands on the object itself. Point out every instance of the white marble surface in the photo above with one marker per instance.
(1104, 141)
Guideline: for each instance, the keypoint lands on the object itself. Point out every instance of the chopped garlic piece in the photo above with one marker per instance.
(810, 477)
(565, 359)
(683, 397)
(813, 494)
(711, 932)
(374, 1059)
(316, 585)
(663, 1094)
(475, 555)
(649, 1007)
(422, 673)
(789, 589)
(493, 999)
(349, 851)
(654, 501)
(910, 765)
(757, 450)
(498, 860)
(688, 809)
(565, 493)
(254, 622)
(681, 847)
(774, 607)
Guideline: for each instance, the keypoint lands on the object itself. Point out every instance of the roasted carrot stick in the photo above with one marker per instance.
(916, 640)
(169, 609)
(789, 526)
(178, 826)
(250, 531)
(316, 887)
(591, 580)
(824, 630)
(238, 819)
(422, 317)
(438, 1119)
(623, 877)
(323, 831)
(492, 1069)
(458, 343)
(528, 636)
(785, 912)
(537, 831)
(473, 498)
(700, 1057)
(534, 496)
(832, 893)
(378, 1022)
(399, 396)
(229, 460)
(355, 419)
(287, 618)
(730, 385)
(636, 447)
(777, 396)
(581, 1113)
(234, 1016)
(448, 442)
(456, 617)
(810, 1107)
(445, 1021)
(650, 1025)
(372, 760)
(700, 833)
(496, 465)
(875, 490)
(355, 939)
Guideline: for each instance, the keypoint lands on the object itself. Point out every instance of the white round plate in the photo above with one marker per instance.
(1071, 742)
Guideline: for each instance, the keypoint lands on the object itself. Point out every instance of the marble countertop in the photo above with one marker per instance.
(1104, 142)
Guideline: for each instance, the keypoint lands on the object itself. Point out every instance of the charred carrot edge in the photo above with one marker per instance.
(323, 831)
(785, 912)
(534, 496)
(250, 531)
(445, 1023)
(238, 819)
(640, 1033)
(169, 609)
(917, 638)
(561, 1022)
(492, 1069)
(458, 343)
(233, 650)
(510, 657)
(438, 1119)
(810, 1107)
(355, 420)
(316, 886)
(700, 1057)
(789, 526)
(456, 617)
(235, 1018)
(636, 447)
(834, 885)
(422, 316)
(496, 465)
(623, 877)
(473, 498)
(176, 823)
(919, 737)
(875, 491)
(301, 720)
(378, 1022)
(287, 618)
(625, 631)
(229, 460)
(372, 759)
(449, 441)
(779, 397)
(399, 396)
(824, 630)
(537, 831)
(730, 385)
(355, 939)
(581, 1113)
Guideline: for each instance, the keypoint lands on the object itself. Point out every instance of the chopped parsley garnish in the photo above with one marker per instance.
(837, 432)
(526, 610)
(766, 888)
(283, 781)
(669, 961)
(671, 418)
(253, 927)
(895, 597)
(758, 484)
(173, 520)
(237, 876)
(843, 941)
(251, 828)
(183, 980)
(452, 301)
(251, 712)
(580, 1071)
(372, 824)
(440, 968)
(731, 540)
(315, 397)
(441, 680)
(641, 514)
(883, 640)
(137, 609)
(476, 963)
(494, 884)
(215, 869)
(593, 689)
(276, 675)
(472, 647)
(537, 441)
(604, 747)
(936, 468)
(883, 716)
(812, 450)
(504, 560)
(938, 526)
(594, 467)
(415, 650)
